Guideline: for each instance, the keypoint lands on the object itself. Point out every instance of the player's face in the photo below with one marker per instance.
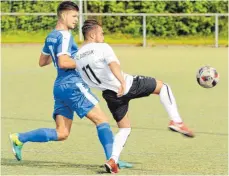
(99, 36)
(71, 19)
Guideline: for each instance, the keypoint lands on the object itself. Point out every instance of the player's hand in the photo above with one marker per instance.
(121, 89)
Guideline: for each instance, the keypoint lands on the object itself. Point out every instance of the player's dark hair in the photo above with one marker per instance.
(66, 5)
(88, 25)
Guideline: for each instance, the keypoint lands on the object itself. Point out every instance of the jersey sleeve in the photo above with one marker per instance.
(64, 44)
(109, 55)
(74, 48)
(45, 50)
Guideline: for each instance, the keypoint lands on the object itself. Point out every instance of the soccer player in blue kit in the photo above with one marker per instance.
(71, 94)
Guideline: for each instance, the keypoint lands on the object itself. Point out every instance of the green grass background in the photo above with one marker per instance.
(38, 37)
(27, 103)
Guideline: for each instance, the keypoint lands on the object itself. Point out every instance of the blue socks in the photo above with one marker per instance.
(106, 138)
(46, 134)
(39, 135)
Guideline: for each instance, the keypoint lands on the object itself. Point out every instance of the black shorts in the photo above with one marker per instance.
(142, 87)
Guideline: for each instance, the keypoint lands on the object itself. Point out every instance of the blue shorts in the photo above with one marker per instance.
(73, 97)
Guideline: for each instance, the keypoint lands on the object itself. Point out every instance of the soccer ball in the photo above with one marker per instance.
(207, 77)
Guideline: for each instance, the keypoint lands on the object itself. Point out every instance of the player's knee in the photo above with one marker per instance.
(159, 85)
(63, 134)
(124, 122)
(100, 118)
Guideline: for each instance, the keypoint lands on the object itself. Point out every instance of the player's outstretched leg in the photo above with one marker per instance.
(168, 100)
(62, 131)
(40, 135)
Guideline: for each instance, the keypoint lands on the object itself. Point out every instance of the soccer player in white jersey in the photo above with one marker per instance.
(100, 68)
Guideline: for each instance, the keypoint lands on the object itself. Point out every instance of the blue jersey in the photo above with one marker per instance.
(57, 43)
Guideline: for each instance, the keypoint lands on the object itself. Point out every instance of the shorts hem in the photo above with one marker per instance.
(119, 119)
(62, 114)
(86, 112)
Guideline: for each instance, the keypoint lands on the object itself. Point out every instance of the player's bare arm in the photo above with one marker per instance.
(116, 70)
(65, 62)
(44, 60)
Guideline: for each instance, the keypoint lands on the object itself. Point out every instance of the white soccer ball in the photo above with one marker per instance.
(207, 77)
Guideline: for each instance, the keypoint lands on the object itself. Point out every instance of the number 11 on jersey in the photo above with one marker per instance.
(85, 69)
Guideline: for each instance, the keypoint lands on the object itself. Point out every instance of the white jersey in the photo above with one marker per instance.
(92, 62)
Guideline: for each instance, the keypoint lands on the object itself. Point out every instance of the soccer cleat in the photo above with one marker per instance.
(123, 164)
(111, 166)
(16, 146)
(180, 128)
